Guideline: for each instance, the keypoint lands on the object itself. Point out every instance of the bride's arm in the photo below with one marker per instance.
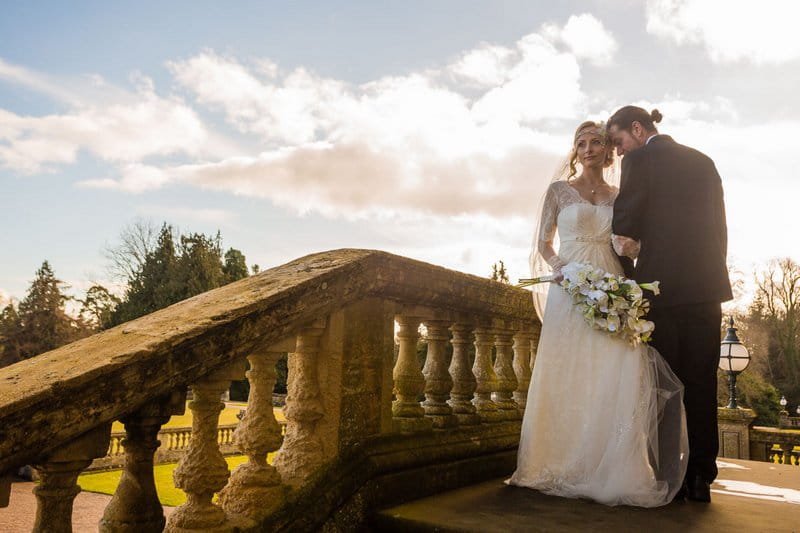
(547, 231)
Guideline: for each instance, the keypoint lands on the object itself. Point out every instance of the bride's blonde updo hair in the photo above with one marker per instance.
(597, 128)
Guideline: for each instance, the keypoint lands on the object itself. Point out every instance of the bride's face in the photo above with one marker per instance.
(591, 150)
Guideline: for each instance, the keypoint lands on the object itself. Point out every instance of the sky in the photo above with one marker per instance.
(426, 129)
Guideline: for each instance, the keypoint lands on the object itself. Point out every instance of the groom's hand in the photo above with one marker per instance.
(625, 246)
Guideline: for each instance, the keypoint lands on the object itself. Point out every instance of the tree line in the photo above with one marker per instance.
(159, 267)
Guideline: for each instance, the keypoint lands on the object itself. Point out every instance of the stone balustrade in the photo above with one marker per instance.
(363, 429)
(173, 442)
(739, 439)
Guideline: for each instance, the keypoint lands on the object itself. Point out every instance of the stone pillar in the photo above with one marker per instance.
(302, 450)
(506, 379)
(135, 506)
(202, 471)
(59, 472)
(409, 383)
(437, 381)
(485, 376)
(734, 432)
(522, 368)
(255, 489)
(464, 383)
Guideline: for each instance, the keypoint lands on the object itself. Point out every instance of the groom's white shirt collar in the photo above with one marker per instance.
(648, 139)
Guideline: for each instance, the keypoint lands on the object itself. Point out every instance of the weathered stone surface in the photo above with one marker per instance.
(202, 471)
(506, 378)
(303, 449)
(391, 468)
(255, 488)
(104, 377)
(734, 432)
(135, 507)
(59, 473)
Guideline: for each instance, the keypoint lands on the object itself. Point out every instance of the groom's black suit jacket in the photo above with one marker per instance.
(671, 200)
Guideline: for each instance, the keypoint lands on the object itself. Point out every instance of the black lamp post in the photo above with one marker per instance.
(733, 359)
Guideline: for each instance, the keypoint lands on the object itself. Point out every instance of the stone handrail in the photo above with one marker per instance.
(335, 313)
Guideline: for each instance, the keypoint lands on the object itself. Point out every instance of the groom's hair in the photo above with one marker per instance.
(626, 116)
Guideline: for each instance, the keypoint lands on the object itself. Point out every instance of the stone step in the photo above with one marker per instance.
(748, 496)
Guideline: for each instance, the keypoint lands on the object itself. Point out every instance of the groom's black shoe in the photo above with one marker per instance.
(698, 490)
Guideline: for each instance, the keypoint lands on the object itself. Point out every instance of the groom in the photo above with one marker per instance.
(671, 202)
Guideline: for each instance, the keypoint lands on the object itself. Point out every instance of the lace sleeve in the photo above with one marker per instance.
(550, 209)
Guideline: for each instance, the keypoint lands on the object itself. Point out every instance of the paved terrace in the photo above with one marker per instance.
(748, 496)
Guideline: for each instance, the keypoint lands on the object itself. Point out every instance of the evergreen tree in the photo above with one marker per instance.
(178, 267)
(10, 339)
(235, 265)
(97, 307)
(40, 323)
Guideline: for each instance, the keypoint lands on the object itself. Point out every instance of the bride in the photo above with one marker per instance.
(604, 420)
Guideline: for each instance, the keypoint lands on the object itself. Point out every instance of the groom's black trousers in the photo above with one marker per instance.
(688, 337)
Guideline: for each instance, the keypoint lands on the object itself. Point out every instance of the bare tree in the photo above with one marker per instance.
(777, 302)
(136, 240)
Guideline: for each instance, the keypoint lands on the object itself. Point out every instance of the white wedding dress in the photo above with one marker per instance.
(591, 426)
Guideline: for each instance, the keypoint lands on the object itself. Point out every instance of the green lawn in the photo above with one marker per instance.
(227, 416)
(106, 482)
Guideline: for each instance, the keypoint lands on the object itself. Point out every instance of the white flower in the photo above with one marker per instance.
(651, 287)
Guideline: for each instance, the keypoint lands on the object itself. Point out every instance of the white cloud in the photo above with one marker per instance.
(121, 127)
(426, 142)
(762, 32)
(134, 177)
(485, 66)
(586, 38)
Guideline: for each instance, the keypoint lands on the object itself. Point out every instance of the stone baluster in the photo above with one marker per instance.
(409, 382)
(135, 506)
(202, 470)
(302, 451)
(464, 383)
(522, 368)
(485, 376)
(506, 379)
(59, 472)
(437, 380)
(255, 488)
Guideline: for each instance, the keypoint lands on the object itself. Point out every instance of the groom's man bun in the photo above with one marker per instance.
(656, 115)
(624, 117)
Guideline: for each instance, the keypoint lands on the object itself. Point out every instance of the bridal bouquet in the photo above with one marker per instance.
(608, 302)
